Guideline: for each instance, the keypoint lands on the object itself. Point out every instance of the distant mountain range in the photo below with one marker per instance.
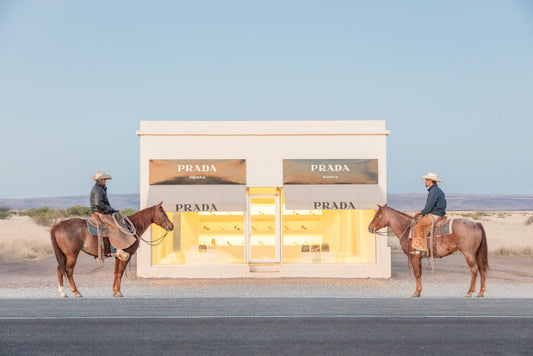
(458, 202)
(404, 202)
(118, 201)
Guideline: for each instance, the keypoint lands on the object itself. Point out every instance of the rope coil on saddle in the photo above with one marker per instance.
(124, 224)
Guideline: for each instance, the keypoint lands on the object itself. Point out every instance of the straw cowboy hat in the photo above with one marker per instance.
(100, 175)
(431, 176)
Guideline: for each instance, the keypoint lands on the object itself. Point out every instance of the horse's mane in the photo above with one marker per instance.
(143, 218)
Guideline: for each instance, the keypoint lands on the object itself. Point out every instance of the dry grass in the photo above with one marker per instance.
(21, 240)
(513, 252)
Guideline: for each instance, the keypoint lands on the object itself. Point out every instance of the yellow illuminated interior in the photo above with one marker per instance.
(328, 236)
(263, 229)
(201, 238)
(307, 236)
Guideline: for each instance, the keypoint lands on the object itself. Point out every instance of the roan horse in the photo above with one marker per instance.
(468, 237)
(71, 236)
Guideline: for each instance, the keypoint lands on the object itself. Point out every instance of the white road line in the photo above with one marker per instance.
(271, 317)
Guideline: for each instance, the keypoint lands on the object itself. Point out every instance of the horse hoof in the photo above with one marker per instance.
(480, 295)
(79, 295)
(468, 295)
(416, 295)
(118, 295)
(64, 296)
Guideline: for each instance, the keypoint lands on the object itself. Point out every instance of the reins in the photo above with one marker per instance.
(405, 230)
(160, 239)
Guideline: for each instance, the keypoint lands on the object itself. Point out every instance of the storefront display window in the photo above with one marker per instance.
(201, 238)
(328, 236)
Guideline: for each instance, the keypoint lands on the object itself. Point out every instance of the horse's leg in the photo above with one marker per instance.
(120, 266)
(60, 283)
(482, 260)
(416, 262)
(471, 261)
(71, 262)
(481, 270)
(482, 281)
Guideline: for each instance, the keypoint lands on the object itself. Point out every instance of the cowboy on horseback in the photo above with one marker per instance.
(100, 203)
(434, 209)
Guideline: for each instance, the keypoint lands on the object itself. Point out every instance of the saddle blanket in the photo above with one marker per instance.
(440, 230)
(445, 229)
(93, 230)
(116, 237)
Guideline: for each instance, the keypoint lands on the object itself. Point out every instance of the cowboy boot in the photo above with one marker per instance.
(122, 255)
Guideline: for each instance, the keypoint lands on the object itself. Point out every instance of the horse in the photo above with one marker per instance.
(71, 236)
(468, 237)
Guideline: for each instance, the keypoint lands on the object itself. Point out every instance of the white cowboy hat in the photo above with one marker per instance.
(100, 175)
(431, 176)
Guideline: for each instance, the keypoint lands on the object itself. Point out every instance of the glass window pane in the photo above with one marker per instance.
(201, 238)
(328, 236)
(263, 229)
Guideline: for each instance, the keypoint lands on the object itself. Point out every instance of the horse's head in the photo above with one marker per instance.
(162, 219)
(380, 220)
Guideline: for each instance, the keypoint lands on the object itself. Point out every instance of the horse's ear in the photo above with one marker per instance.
(379, 206)
(158, 205)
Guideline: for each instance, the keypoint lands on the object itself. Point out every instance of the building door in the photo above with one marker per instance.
(263, 228)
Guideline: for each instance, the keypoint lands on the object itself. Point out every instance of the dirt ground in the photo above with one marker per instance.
(91, 273)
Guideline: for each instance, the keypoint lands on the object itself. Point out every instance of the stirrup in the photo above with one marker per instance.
(418, 253)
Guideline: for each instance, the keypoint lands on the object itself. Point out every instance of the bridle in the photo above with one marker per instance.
(384, 233)
(159, 240)
(377, 223)
(164, 218)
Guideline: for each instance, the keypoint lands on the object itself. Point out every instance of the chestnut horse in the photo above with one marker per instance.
(467, 237)
(71, 236)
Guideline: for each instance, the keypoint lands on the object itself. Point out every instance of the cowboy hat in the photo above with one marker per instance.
(100, 175)
(431, 176)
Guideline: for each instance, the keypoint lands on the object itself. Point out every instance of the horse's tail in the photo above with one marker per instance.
(60, 256)
(482, 251)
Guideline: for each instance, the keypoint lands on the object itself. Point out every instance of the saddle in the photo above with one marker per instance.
(439, 227)
(108, 232)
(442, 226)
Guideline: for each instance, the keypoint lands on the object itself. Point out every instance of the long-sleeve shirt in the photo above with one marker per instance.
(435, 202)
(99, 200)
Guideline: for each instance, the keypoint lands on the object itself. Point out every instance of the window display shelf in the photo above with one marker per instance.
(222, 233)
(302, 217)
(301, 232)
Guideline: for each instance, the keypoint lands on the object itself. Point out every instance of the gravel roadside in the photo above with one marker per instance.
(508, 277)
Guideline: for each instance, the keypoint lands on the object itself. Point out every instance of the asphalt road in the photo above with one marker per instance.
(266, 326)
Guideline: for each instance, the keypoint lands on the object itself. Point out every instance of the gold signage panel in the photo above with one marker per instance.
(197, 171)
(330, 171)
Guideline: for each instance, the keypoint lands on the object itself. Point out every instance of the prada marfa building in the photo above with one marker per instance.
(249, 198)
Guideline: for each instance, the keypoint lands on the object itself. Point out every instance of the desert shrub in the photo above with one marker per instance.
(475, 215)
(4, 212)
(48, 216)
(529, 221)
(128, 211)
(516, 251)
(43, 216)
(77, 211)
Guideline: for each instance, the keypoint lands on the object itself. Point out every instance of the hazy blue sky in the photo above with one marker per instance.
(452, 79)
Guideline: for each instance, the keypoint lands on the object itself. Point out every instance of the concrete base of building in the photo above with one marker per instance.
(381, 269)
